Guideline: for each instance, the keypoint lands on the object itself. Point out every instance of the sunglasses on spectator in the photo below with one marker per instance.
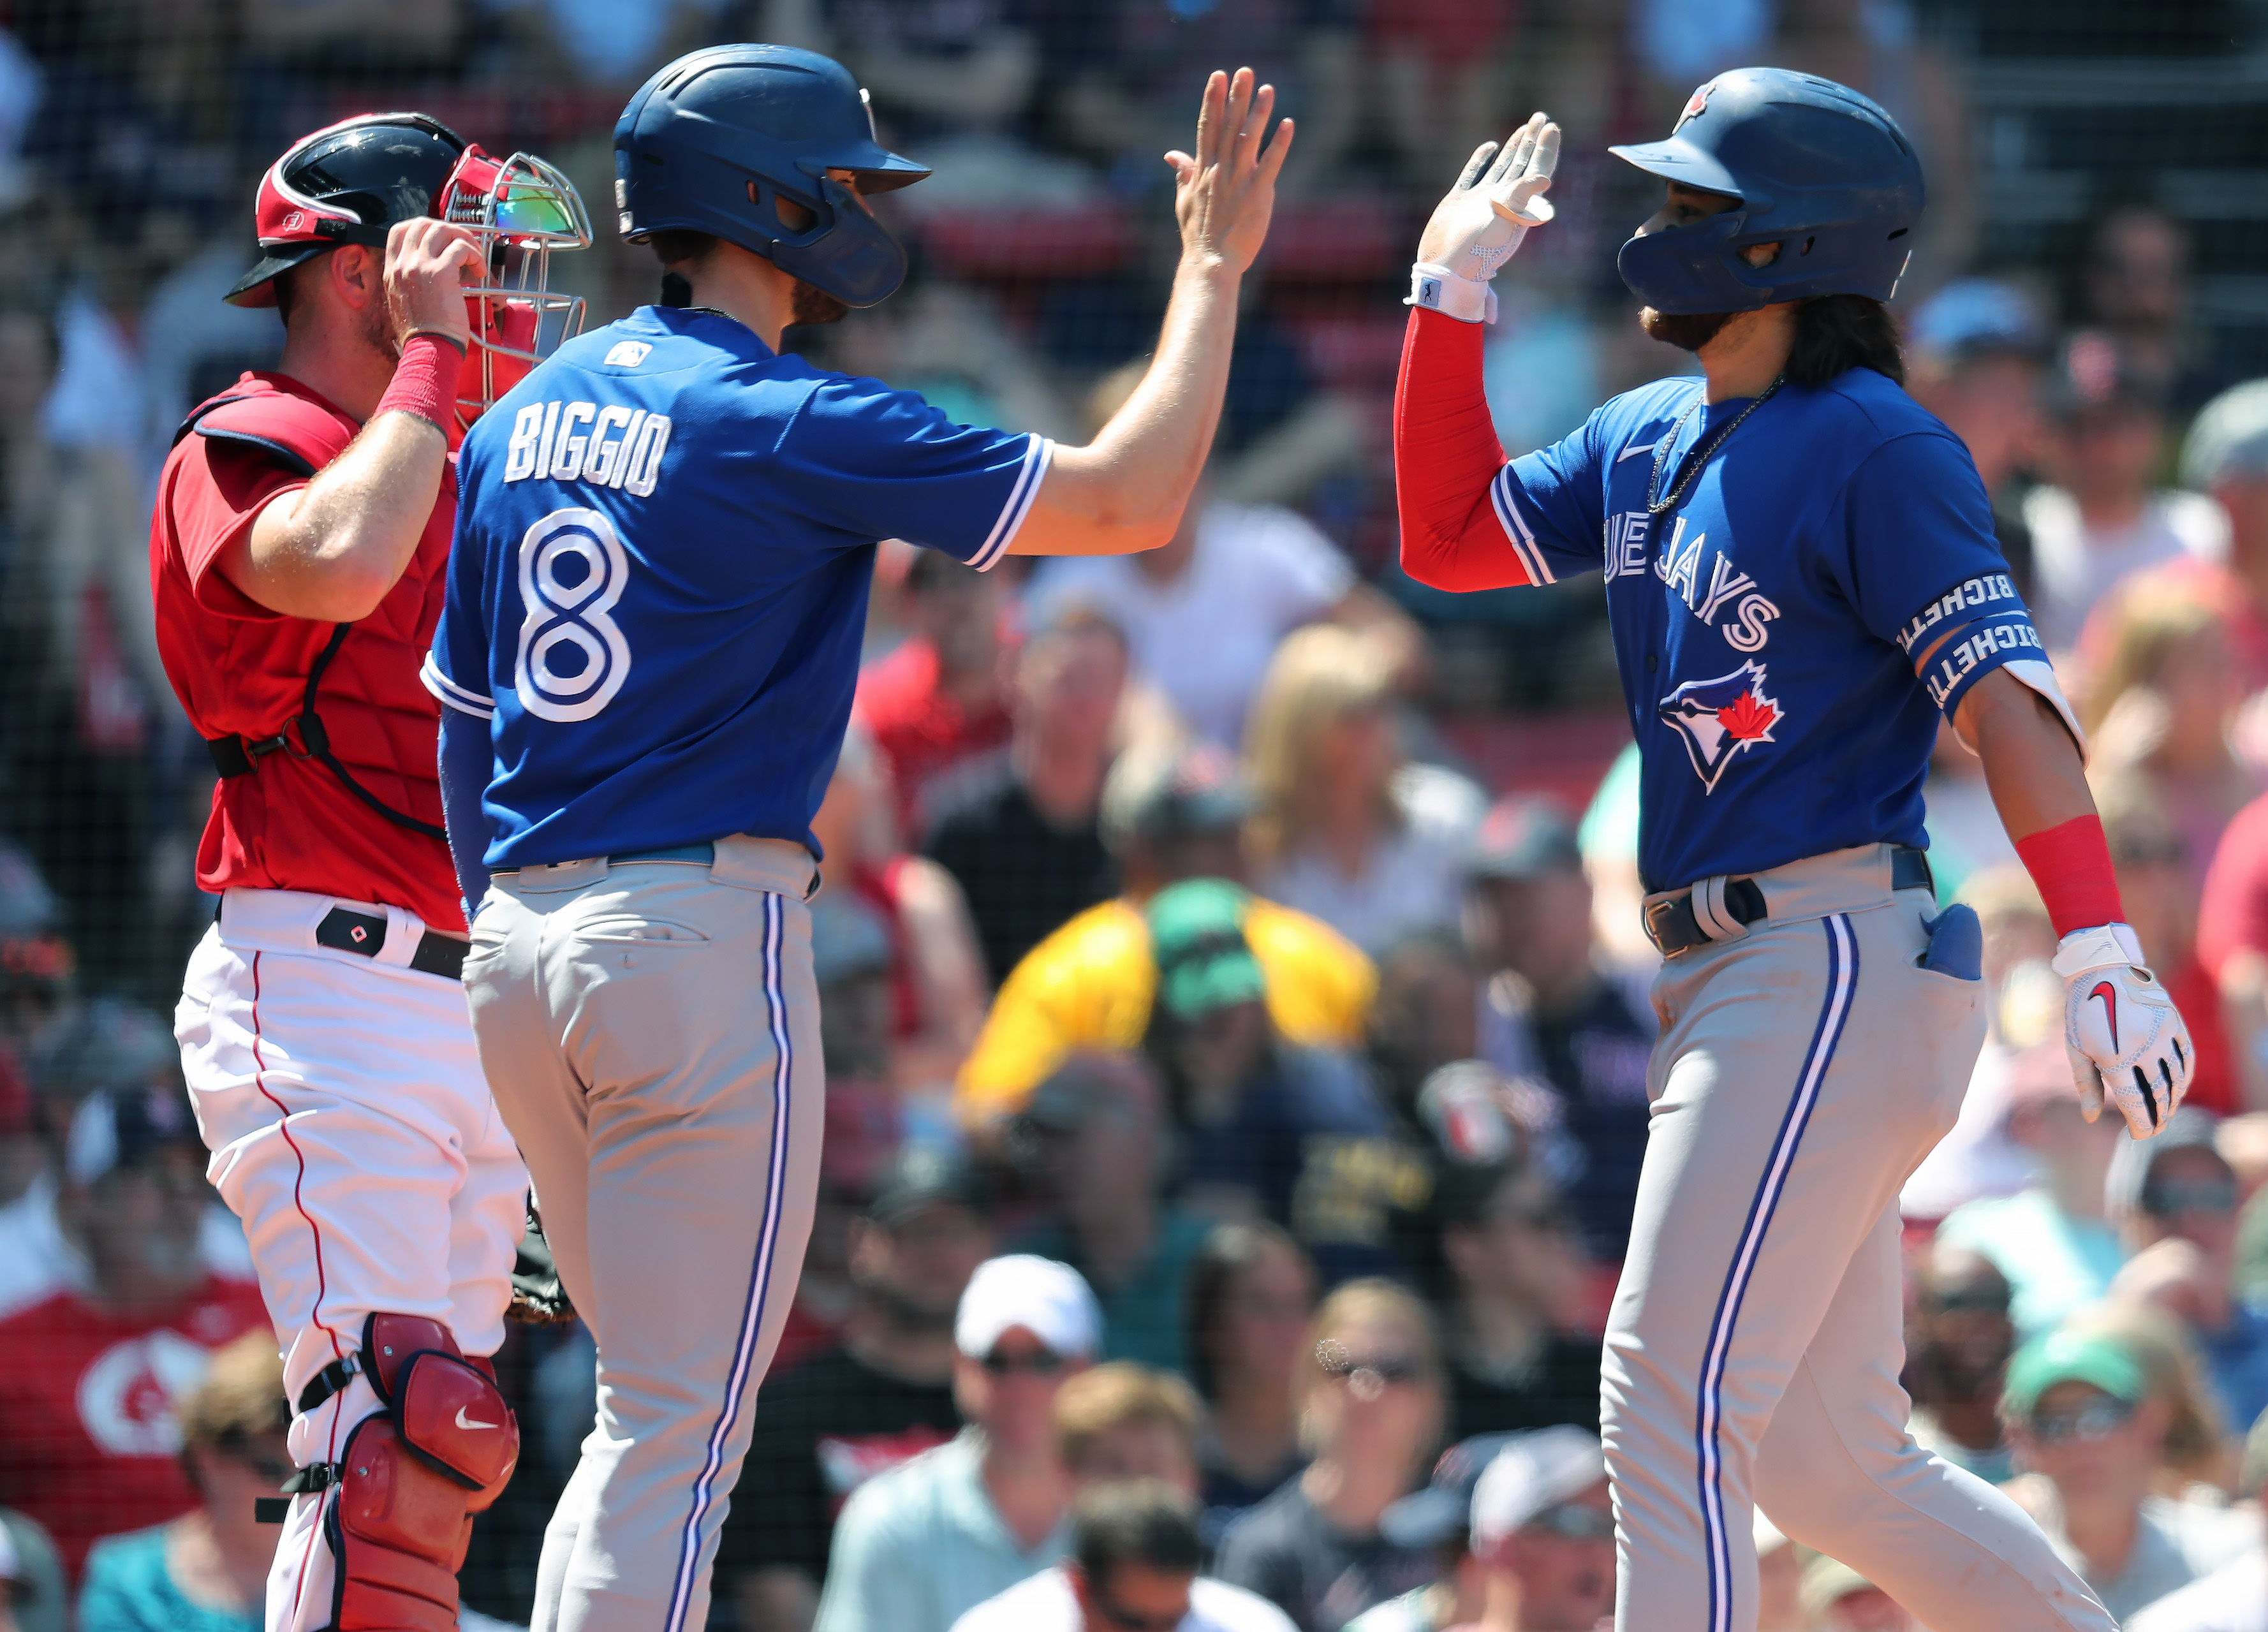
(1989, 1299)
(1343, 1366)
(1038, 1363)
(1574, 1522)
(2098, 1419)
(1127, 1620)
(2201, 1195)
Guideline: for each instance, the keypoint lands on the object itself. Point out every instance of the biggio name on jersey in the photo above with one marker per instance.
(613, 446)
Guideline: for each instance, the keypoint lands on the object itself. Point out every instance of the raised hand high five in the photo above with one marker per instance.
(1474, 229)
(1224, 195)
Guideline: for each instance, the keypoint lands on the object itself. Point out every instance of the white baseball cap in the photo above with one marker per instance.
(1535, 1471)
(1049, 1300)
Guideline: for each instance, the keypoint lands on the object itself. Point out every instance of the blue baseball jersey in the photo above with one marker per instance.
(665, 538)
(1788, 635)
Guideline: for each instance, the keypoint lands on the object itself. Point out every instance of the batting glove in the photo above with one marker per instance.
(1475, 229)
(2122, 1031)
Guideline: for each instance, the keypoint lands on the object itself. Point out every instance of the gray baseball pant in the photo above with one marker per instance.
(1752, 1358)
(651, 1031)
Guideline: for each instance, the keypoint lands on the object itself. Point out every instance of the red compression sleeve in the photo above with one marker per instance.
(1445, 455)
(2071, 862)
(425, 382)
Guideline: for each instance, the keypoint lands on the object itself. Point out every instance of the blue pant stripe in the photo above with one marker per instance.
(1841, 982)
(752, 1318)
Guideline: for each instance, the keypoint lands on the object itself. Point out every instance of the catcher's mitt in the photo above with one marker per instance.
(537, 1297)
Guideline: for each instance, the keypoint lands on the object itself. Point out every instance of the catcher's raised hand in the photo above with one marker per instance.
(2126, 1038)
(1474, 229)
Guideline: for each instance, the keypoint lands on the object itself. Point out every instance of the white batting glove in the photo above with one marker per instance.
(1474, 231)
(2122, 1031)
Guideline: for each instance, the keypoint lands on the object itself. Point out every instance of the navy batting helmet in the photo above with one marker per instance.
(716, 140)
(1818, 168)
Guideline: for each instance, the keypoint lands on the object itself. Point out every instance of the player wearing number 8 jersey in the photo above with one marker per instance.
(647, 656)
(1802, 582)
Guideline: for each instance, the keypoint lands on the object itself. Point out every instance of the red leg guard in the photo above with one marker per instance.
(396, 1530)
(412, 1479)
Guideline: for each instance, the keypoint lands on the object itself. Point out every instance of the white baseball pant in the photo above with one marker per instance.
(352, 1132)
(651, 1030)
(1752, 1355)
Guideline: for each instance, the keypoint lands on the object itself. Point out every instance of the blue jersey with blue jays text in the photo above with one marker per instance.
(664, 536)
(1769, 630)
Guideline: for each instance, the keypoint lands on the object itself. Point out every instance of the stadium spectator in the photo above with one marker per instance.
(2198, 1455)
(102, 1045)
(90, 1375)
(1099, 1123)
(2086, 1425)
(1516, 1273)
(939, 72)
(1370, 1415)
(917, 1546)
(2159, 696)
(1974, 351)
(2224, 456)
(1440, 1519)
(36, 961)
(1543, 1531)
(1123, 1424)
(937, 985)
(1204, 612)
(2157, 875)
(1298, 1136)
(2134, 284)
(1959, 1341)
(2176, 1197)
(938, 699)
(1549, 1012)
(1343, 827)
(1168, 813)
(1835, 1597)
(206, 1572)
(1019, 833)
(1426, 1015)
(32, 1596)
(2051, 1240)
(1252, 1296)
(1133, 1567)
(2102, 519)
(2234, 1598)
(881, 1397)
(1779, 1580)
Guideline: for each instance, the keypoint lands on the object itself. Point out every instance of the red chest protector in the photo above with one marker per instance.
(379, 718)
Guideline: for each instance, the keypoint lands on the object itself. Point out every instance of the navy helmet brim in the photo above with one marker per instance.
(1680, 161)
(257, 287)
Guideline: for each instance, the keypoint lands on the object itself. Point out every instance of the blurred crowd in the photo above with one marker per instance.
(1234, 1006)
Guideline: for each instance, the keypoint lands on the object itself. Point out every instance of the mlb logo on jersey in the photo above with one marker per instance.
(1719, 717)
(627, 354)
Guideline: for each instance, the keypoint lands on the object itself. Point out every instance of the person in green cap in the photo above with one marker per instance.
(2083, 1419)
(1296, 1135)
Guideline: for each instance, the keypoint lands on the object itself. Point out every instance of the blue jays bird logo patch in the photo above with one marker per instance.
(1720, 718)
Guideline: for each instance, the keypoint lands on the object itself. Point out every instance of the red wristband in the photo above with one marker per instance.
(2070, 863)
(425, 382)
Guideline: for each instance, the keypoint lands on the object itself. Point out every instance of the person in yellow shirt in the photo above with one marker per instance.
(1167, 816)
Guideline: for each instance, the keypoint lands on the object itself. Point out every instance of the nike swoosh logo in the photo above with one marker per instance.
(2108, 993)
(465, 1422)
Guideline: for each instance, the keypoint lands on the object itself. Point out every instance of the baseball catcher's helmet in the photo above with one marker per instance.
(1817, 168)
(713, 141)
(348, 182)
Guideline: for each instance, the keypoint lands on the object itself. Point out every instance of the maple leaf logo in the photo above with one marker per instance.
(1719, 718)
(1749, 718)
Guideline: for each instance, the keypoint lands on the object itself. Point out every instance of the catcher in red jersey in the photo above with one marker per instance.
(303, 521)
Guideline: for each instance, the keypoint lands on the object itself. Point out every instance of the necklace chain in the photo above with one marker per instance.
(1695, 461)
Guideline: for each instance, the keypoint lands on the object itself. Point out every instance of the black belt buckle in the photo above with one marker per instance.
(359, 933)
(351, 931)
